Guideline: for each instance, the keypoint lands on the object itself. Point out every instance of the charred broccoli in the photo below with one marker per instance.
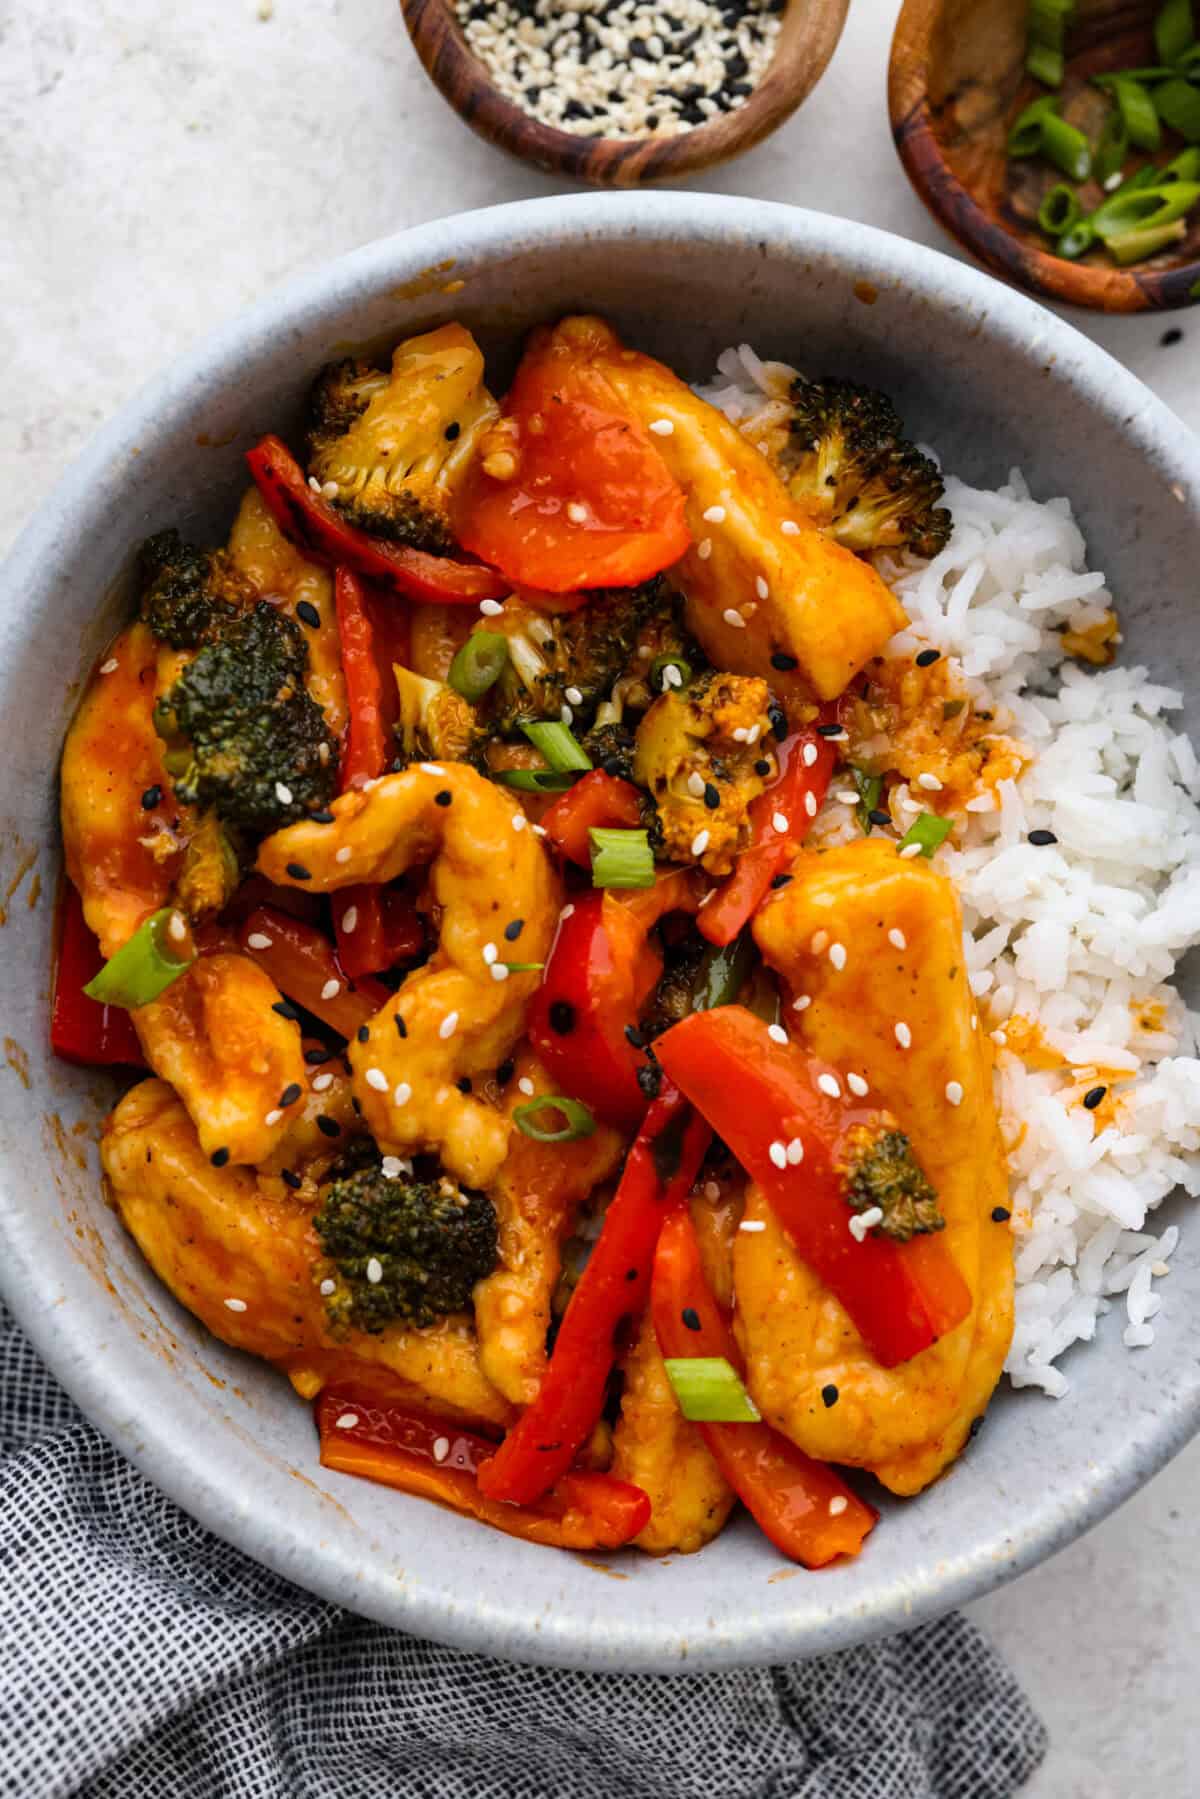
(188, 595)
(434, 721)
(704, 753)
(611, 747)
(857, 475)
(243, 735)
(404, 1249)
(879, 1171)
(393, 448)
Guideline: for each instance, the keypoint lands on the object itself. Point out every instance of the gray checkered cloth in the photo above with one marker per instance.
(140, 1658)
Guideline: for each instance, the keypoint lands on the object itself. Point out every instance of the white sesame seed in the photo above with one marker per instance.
(819, 942)
(519, 821)
(259, 940)
(779, 823)
(897, 939)
(662, 427)
(856, 1227)
(778, 1154)
(568, 911)
(695, 785)
(331, 989)
(837, 955)
(974, 1022)
(844, 797)
(327, 1287)
(448, 1026)
(1000, 1039)
(271, 1118)
(235, 1305)
(441, 1448)
(715, 515)
(808, 754)
(432, 768)
(704, 548)
(733, 617)
(790, 528)
(350, 920)
(538, 830)
(830, 1085)
(1158, 1269)
(857, 1085)
(837, 1505)
(576, 513)
(177, 927)
(347, 1420)
(323, 751)
(902, 1034)
(795, 1152)
(909, 851)
(283, 794)
(802, 1002)
(752, 1224)
(526, 1085)
(322, 1082)
(872, 1216)
(573, 694)
(776, 1033)
(1113, 182)
(401, 1094)
(671, 676)
(810, 804)
(343, 855)
(566, 715)
(391, 1168)
(500, 971)
(753, 733)
(314, 484)
(110, 667)
(374, 1271)
(929, 782)
(329, 490)
(761, 588)
(954, 1092)
(490, 952)
(490, 608)
(376, 1078)
(740, 733)
(699, 843)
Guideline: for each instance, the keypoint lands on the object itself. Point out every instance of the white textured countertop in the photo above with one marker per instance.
(163, 167)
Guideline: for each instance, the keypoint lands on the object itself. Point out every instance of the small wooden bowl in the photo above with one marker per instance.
(807, 39)
(955, 81)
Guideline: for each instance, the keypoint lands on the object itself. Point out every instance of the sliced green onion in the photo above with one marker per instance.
(1077, 241)
(621, 858)
(721, 973)
(1066, 147)
(658, 673)
(1144, 209)
(709, 1391)
(538, 780)
(1137, 110)
(927, 832)
(1059, 210)
(144, 967)
(1045, 65)
(1135, 246)
(1112, 147)
(1025, 132)
(1174, 31)
(479, 664)
(1187, 64)
(1179, 104)
(559, 746)
(1048, 20)
(579, 1121)
(524, 967)
(870, 791)
(1184, 167)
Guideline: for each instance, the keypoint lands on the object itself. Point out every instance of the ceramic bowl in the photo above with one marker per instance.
(981, 372)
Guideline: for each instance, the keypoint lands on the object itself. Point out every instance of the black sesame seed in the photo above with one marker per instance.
(328, 1127)
(782, 660)
(298, 872)
(778, 718)
(762, 766)
(1041, 838)
(975, 1427)
(631, 1274)
(505, 1072)
(151, 797)
(649, 1079)
(284, 1009)
(1092, 1098)
(1000, 1214)
(307, 612)
(513, 931)
(781, 881)
(829, 730)
(463, 1083)
(356, 1104)
(829, 1395)
(290, 1178)
(219, 1158)
(444, 797)
(452, 431)
(323, 817)
(878, 817)
(691, 1318)
(290, 1095)
(562, 1017)
(712, 798)
(401, 1026)
(634, 1036)
(1173, 336)
(363, 1033)
(927, 658)
(315, 1057)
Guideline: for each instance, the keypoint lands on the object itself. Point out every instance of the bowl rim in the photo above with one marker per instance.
(108, 1389)
(955, 207)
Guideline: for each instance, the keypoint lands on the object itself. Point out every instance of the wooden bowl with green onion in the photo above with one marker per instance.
(957, 83)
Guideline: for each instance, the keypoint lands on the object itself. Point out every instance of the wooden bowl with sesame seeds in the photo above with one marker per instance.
(808, 34)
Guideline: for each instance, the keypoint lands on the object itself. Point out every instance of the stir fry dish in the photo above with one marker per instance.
(554, 1059)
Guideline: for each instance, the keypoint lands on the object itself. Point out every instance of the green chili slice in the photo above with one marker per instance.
(709, 1390)
(478, 664)
(561, 748)
(1135, 246)
(159, 951)
(1144, 208)
(927, 832)
(1045, 65)
(621, 858)
(1077, 241)
(1137, 110)
(660, 681)
(579, 1121)
(1066, 147)
(1174, 32)
(1179, 105)
(1184, 167)
(538, 780)
(721, 973)
(1059, 210)
(1025, 132)
(1112, 147)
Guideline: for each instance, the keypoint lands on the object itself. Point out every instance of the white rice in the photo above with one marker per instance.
(1084, 935)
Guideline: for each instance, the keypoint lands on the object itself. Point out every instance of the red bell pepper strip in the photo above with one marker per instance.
(319, 531)
(598, 800)
(302, 964)
(661, 1167)
(439, 1461)
(803, 1506)
(81, 1030)
(755, 1092)
(806, 761)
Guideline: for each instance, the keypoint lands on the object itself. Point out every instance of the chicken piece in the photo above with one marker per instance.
(759, 582)
(536, 1193)
(121, 858)
(656, 1448)
(487, 870)
(216, 1236)
(232, 1058)
(279, 574)
(904, 1423)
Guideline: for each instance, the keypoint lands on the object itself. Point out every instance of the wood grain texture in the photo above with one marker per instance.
(955, 80)
(807, 39)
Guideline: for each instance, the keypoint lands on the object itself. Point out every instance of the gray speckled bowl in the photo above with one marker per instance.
(992, 380)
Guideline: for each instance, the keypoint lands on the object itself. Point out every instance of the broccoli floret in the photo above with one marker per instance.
(435, 721)
(243, 735)
(211, 870)
(878, 1169)
(425, 1242)
(611, 747)
(857, 475)
(188, 595)
(394, 447)
(704, 753)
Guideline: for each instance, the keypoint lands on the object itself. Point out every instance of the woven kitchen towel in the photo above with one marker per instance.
(140, 1658)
